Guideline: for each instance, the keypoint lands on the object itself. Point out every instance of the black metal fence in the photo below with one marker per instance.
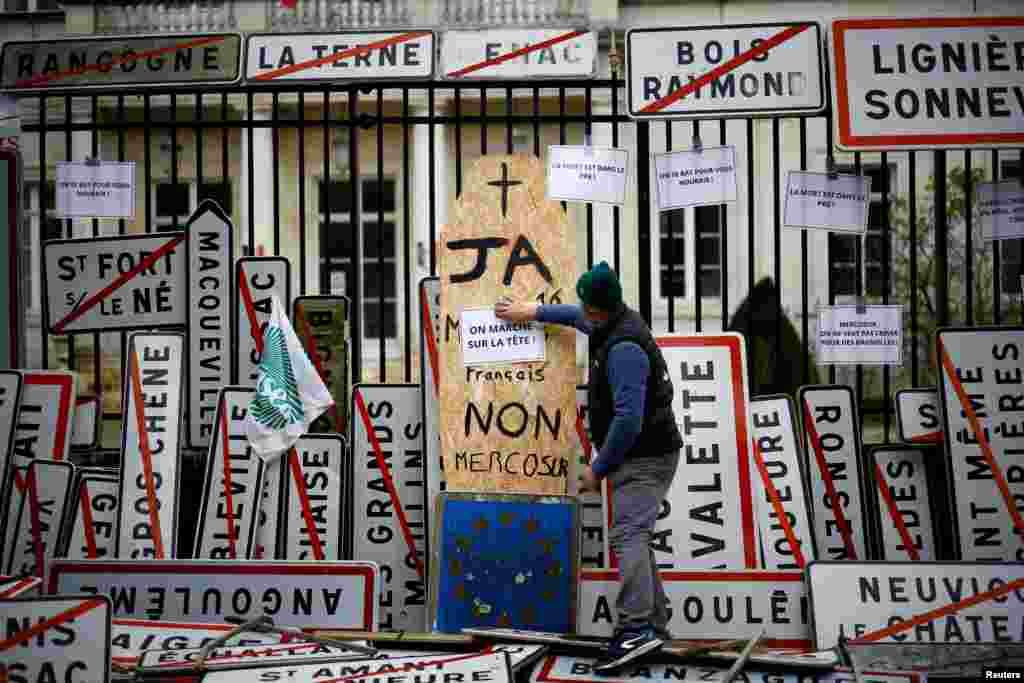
(281, 159)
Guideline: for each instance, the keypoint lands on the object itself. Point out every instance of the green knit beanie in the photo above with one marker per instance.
(599, 287)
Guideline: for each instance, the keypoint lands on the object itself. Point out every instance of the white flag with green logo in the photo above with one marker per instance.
(289, 392)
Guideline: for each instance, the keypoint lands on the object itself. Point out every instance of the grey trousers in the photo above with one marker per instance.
(638, 487)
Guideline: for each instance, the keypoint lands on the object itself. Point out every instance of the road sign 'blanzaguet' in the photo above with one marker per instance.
(128, 282)
(150, 446)
(209, 238)
(331, 595)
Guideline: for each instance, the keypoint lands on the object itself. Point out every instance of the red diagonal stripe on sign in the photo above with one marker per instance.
(390, 484)
(515, 53)
(428, 331)
(33, 511)
(90, 533)
(894, 513)
(830, 487)
(29, 633)
(721, 70)
(18, 587)
(307, 512)
(250, 310)
(979, 435)
(780, 512)
(334, 57)
(99, 296)
(934, 614)
(39, 80)
(229, 518)
(146, 454)
(314, 355)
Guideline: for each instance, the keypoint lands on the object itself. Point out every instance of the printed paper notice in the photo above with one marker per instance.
(838, 203)
(587, 174)
(487, 340)
(693, 178)
(1001, 208)
(101, 190)
(871, 336)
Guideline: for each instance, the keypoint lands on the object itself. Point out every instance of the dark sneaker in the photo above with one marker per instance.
(628, 646)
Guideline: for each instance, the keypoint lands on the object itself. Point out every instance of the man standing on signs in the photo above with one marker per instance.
(634, 429)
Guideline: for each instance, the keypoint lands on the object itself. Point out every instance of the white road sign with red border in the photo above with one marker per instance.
(93, 519)
(725, 71)
(928, 82)
(345, 56)
(40, 521)
(518, 53)
(917, 415)
(131, 637)
(329, 595)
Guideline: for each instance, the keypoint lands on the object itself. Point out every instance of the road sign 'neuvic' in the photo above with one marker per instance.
(339, 56)
(725, 71)
(929, 82)
(209, 59)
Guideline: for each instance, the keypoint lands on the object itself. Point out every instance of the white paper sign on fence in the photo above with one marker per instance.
(695, 178)
(860, 335)
(101, 189)
(1000, 209)
(830, 202)
(487, 340)
(587, 174)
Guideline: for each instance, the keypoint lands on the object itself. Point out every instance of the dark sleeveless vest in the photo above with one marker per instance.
(660, 433)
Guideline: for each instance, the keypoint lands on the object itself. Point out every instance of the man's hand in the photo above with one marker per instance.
(516, 311)
(588, 482)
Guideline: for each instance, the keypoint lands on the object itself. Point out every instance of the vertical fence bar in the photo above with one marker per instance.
(997, 280)
(886, 286)
(407, 235)
(382, 338)
(326, 208)
(275, 160)
(968, 241)
(941, 271)
(673, 254)
(777, 230)
(300, 181)
(535, 121)
(224, 175)
(804, 264)
(356, 223)
(723, 234)
(750, 204)
(484, 117)
(43, 196)
(197, 135)
(97, 370)
(431, 179)
(508, 120)
(147, 161)
(458, 141)
(915, 361)
(698, 290)
(643, 223)
(588, 132)
(251, 171)
(860, 291)
(174, 157)
(122, 225)
(69, 223)
(616, 209)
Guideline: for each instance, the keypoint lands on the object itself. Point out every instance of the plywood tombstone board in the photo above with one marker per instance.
(506, 427)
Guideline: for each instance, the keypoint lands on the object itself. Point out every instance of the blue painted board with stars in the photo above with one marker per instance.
(506, 561)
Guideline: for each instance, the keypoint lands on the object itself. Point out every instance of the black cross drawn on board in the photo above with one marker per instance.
(504, 184)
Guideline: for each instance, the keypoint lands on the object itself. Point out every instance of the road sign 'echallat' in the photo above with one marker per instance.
(725, 71)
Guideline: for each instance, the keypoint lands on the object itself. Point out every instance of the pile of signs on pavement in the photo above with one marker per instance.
(780, 527)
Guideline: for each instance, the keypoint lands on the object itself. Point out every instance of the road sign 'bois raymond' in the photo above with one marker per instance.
(506, 427)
